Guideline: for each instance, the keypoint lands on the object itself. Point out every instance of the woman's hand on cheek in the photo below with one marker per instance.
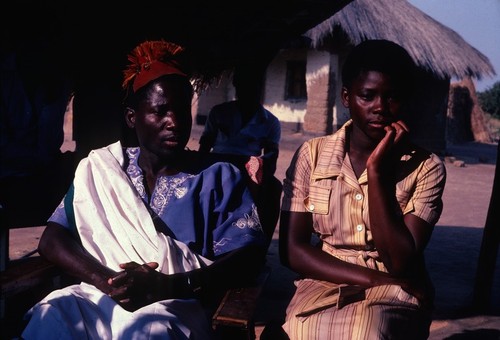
(401, 129)
(386, 151)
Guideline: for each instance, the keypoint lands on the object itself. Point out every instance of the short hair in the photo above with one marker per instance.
(249, 74)
(379, 55)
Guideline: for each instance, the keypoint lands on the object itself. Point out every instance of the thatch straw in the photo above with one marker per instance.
(432, 45)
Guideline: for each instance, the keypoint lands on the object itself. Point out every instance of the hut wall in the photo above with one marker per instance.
(340, 113)
(466, 121)
(290, 113)
(319, 77)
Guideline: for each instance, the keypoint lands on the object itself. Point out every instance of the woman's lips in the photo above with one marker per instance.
(378, 125)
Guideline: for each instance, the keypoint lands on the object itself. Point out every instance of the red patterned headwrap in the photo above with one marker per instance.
(151, 60)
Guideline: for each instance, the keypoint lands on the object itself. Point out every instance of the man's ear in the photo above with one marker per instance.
(130, 117)
(344, 95)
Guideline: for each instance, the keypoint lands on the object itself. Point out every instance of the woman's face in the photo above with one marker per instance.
(374, 101)
(162, 120)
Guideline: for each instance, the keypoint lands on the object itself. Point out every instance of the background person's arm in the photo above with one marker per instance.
(271, 148)
(209, 134)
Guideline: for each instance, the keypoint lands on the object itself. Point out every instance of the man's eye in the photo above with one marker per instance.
(159, 112)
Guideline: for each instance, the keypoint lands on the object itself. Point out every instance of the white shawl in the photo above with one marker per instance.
(113, 223)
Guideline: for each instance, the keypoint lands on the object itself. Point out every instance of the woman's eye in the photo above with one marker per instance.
(366, 96)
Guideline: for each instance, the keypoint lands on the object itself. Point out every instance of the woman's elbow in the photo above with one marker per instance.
(284, 259)
(400, 267)
(292, 255)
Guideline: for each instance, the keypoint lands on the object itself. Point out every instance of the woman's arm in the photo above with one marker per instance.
(297, 253)
(400, 240)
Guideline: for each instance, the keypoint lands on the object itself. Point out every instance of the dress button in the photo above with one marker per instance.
(359, 227)
(358, 197)
(311, 207)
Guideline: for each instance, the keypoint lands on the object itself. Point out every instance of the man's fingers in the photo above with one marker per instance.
(153, 265)
(120, 293)
(129, 265)
(118, 279)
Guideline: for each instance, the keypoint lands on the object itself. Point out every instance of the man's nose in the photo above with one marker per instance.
(171, 121)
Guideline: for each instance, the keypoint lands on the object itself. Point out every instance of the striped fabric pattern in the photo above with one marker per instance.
(321, 180)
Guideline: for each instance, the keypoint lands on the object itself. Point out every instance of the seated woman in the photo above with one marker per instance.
(152, 237)
(372, 198)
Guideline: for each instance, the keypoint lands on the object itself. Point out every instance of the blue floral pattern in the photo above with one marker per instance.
(165, 188)
(249, 221)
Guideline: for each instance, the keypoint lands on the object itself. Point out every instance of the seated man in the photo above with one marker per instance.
(243, 126)
(151, 237)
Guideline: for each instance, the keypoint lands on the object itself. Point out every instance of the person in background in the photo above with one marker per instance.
(35, 90)
(153, 238)
(243, 126)
(370, 198)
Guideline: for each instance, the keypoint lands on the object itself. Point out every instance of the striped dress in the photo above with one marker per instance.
(321, 180)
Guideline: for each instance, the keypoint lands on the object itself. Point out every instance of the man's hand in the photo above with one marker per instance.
(136, 286)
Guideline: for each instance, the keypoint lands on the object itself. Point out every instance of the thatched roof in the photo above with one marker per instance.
(432, 45)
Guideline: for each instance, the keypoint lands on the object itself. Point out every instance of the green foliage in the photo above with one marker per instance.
(489, 100)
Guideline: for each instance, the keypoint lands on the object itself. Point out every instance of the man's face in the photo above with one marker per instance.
(163, 120)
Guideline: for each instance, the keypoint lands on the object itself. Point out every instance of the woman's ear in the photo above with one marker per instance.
(344, 94)
(130, 117)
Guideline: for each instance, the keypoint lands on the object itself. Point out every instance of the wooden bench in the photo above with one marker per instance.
(26, 280)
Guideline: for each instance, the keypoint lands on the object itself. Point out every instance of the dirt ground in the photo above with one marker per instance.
(451, 256)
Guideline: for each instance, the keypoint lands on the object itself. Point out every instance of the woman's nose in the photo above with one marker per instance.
(381, 105)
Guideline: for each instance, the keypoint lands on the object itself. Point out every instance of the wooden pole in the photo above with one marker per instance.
(489, 248)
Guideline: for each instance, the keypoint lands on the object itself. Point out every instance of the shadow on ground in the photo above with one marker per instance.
(451, 258)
